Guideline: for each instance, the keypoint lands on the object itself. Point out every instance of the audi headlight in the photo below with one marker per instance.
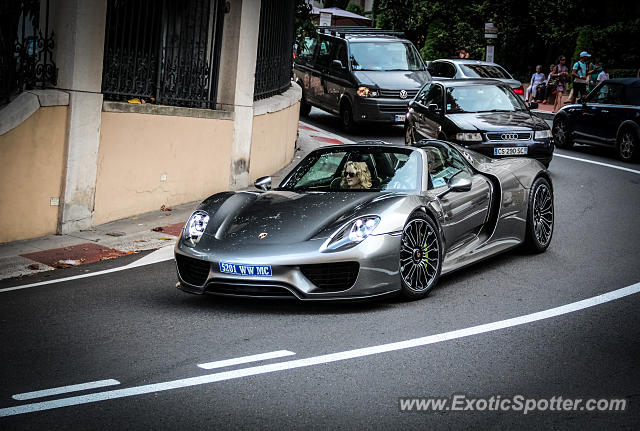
(542, 134)
(352, 233)
(367, 92)
(195, 227)
(469, 137)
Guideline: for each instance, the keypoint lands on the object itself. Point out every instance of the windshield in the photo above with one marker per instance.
(484, 71)
(483, 98)
(365, 169)
(385, 56)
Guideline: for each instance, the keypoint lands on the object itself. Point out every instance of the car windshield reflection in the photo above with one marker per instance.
(482, 98)
(367, 169)
(387, 56)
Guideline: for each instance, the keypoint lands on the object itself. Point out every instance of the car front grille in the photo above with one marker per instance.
(193, 271)
(509, 136)
(332, 277)
(247, 289)
(396, 94)
(395, 109)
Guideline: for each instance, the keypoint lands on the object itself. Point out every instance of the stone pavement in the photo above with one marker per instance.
(147, 231)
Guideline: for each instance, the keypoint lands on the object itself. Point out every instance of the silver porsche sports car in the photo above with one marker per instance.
(364, 220)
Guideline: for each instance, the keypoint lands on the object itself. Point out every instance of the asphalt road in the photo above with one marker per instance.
(134, 327)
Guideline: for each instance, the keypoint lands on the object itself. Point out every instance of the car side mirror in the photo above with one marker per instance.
(433, 108)
(337, 63)
(460, 183)
(263, 183)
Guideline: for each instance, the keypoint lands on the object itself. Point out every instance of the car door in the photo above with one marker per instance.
(326, 54)
(605, 113)
(463, 213)
(305, 70)
(427, 111)
(336, 77)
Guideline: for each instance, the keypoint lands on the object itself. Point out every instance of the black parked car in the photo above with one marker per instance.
(608, 116)
(486, 116)
(361, 74)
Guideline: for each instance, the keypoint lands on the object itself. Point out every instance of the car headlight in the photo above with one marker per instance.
(469, 137)
(352, 233)
(542, 134)
(367, 92)
(195, 227)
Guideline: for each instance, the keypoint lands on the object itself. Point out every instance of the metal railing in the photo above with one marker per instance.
(275, 48)
(166, 51)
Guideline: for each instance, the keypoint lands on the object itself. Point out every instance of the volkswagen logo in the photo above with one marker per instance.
(403, 94)
(509, 136)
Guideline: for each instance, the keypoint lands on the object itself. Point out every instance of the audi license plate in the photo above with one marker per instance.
(510, 151)
(399, 118)
(243, 269)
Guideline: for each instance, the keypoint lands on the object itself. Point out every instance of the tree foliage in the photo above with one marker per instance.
(530, 31)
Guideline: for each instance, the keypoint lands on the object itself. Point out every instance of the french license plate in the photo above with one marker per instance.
(399, 118)
(510, 151)
(243, 269)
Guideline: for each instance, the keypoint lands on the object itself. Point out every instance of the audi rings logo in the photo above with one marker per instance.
(403, 94)
(509, 136)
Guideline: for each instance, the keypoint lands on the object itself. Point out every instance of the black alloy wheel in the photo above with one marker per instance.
(346, 116)
(561, 133)
(628, 146)
(420, 257)
(539, 229)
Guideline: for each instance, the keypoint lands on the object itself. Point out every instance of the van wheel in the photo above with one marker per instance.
(347, 117)
(305, 108)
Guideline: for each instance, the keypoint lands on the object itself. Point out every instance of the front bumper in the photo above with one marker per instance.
(380, 109)
(541, 150)
(377, 259)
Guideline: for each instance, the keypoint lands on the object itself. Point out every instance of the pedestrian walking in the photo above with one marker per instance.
(562, 75)
(579, 73)
(603, 76)
(595, 67)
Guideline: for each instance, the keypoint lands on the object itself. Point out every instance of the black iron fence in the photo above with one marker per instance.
(275, 48)
(25, 47)
(165, 51)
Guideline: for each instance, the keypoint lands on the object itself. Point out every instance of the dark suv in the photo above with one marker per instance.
(361, 74)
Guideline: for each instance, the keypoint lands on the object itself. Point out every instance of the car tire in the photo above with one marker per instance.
(420, 261)
(409, 136)
(540, 217)
(305, 108)
(346, 117)
(561, 133)
(627, 146)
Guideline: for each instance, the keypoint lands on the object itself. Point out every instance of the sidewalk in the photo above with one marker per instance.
(148, 231)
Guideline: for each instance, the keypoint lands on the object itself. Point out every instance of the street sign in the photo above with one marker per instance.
(325, 19)
(490, 53)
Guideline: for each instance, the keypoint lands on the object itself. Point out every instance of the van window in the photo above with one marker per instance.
(325, 52)
(306, 50)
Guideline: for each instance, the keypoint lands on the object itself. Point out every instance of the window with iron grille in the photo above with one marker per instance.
(26, 46)
(164, 51)
(275, 48)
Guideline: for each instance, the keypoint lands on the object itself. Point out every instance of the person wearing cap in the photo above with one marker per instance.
(579, 73)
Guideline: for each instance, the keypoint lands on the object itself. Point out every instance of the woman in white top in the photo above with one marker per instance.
(536, 79)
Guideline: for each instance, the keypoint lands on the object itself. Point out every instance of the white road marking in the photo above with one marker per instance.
(160, 255)
(246, 359)
(65, 389)
(622, 168)
(322, 359)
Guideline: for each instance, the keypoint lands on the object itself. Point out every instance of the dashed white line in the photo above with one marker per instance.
(65, 389)
(621, 168)
(246, 359)
(323, 359)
